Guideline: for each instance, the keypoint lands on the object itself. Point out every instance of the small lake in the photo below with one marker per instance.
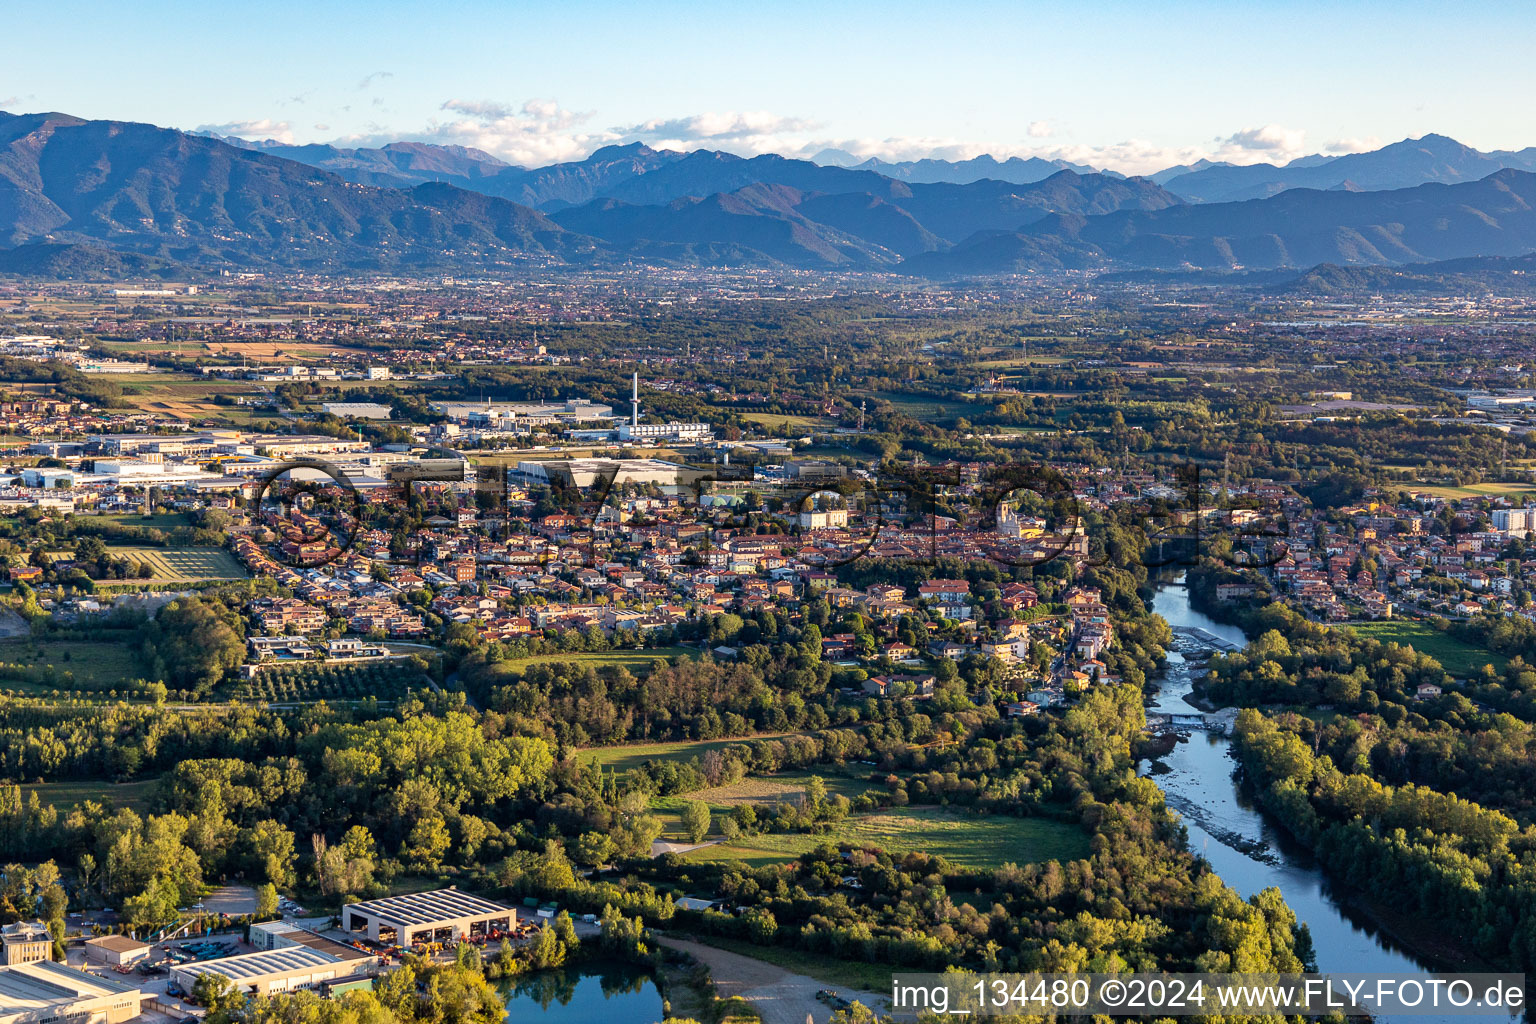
(582, 996)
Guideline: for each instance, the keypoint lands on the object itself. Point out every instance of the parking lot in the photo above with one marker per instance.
(152, 975)
(232, 900)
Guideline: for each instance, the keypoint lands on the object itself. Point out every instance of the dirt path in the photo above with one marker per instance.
(781, 997)
(13, 626)
(661, 846)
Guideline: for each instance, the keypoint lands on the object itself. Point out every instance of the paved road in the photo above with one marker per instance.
(780, 996)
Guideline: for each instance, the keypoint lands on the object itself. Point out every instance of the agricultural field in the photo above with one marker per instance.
(185, 564)
(280, 351)
(179, 395)
(1455, 656)
(797, 423)
(1492, 489)
(763, 789)
(634, 755)
(972, 841)
(308, 682)
(154, 521)
(33, 667)
(638, 662)
(935, 410)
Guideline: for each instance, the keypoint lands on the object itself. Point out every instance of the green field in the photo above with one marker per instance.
(185, 564)
(972, 841)
(75, 664)
(775, 419)
(1472, 490)
(761, 789)
(1456, 657)
(638, 662)
(154, 521)
(635, 754)
(925, 407)
(64, 795)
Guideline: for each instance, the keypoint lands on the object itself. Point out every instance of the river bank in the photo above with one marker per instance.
(1251, 852)
(1431, 945)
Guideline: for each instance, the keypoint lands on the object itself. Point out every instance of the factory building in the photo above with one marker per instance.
(287, 935)
(654, 433)
(149, 471)
(585, 473)
(513, 415)
(275, 970)
(45, 992)
(443, 915)
(115, 950)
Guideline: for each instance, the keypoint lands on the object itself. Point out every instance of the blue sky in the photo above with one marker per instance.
(1134, 86)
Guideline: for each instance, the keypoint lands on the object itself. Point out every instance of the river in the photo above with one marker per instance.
(1247, 850)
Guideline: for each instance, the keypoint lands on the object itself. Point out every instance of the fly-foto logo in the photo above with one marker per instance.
(917, 513)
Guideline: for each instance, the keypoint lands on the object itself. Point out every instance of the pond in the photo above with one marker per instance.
(620, 995)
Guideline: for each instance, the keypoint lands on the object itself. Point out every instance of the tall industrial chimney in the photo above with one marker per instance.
(634, 404)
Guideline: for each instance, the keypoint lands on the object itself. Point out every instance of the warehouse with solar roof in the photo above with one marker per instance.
(443, 915)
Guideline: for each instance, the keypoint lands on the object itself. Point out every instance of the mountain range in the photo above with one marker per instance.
(1297, 228)
(1019, 170)
(616, 171)
(123, 197)
(1434, 158)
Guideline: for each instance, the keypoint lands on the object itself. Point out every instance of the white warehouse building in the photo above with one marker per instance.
(272, 970)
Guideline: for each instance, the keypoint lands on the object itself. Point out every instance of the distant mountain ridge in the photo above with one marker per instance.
(159, 192)
(84, 197)
(620, 171)
(1433, 158)
(1017, 170)
(198, 200)
(1495, 216)
(396, 165)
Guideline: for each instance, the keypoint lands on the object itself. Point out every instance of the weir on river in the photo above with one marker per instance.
(1217, 721)
(1206, 638)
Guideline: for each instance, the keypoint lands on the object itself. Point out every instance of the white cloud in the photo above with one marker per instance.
(1364, 145)
(377, 76)
(541, 131)
(720, 127)
(538, 132)
(322, 127)
(1131, 156)
(480, 108)
(255, 131)
(1269, 139)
